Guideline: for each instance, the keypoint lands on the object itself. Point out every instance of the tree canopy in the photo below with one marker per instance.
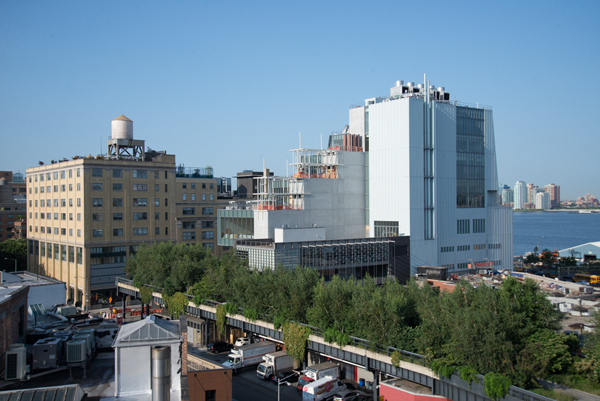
(508, 330)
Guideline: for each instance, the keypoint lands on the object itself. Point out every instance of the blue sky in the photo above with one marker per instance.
(230, 83)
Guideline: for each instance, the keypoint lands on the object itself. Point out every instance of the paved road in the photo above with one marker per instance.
(246, 385)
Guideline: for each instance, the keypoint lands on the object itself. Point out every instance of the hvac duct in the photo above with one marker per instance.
(161, 373)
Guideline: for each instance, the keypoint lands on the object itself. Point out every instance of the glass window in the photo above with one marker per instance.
(97, 216)
(117, 173)
(78, 232)
(140, 202)
(78, 201)
(211, 186)
(184, 185)
(166, 187)
(140, 187)
(62, 174)
(184, 197)
(207, 210)
(63, 188)
(139, 173)
(208, 224)
(166, 201)
(193, 185)
(212, 197)
(156, 230)
(78, 172)
(97, 233)
(63, 202)
(193, 197)
(117, 186)
(71, 216)
(189, 225)
(70, 173)
(188, 211)
(156, 216)
(78, 216)
(70, 187)
(117, 202)
(140, 216)
(117, 232)
(203, 197)
(188, 236)
(79, 186)
(156, 188)
(55, 175)
(96, 172)
(70, 201)
(97, 202)
(140, 231)
(207, 234)
(79, 253)
(72, 254)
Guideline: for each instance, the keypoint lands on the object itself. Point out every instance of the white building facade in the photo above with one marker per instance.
(542, 200)
(432, 175)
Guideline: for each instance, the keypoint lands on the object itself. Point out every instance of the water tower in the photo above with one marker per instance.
(121, 144)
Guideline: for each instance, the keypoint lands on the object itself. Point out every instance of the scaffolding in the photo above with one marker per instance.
(279, 193)
(315, 163)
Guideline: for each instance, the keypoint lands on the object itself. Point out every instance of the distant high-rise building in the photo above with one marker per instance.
(554, 191)
(542, 201)
(520, 195)
(508, 196)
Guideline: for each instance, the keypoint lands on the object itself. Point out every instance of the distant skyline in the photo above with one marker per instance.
(230, 84)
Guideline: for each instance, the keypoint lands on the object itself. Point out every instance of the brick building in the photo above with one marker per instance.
(13, 318)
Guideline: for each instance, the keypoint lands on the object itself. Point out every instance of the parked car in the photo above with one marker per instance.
(290, 377)
(346, 395)
(219, 346)
(583, 282)
(241, 341)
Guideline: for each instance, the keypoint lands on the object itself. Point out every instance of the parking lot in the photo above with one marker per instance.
(246, 385)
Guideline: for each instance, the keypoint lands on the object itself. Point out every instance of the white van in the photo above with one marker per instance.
(322, 389)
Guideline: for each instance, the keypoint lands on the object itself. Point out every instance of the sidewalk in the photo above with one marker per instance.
(578, 394)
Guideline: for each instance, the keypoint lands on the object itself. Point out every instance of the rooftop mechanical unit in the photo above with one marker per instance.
(16, 359)
(92, 333)
(66, 310)
(76, 351)
(46, 353)
(87, 338)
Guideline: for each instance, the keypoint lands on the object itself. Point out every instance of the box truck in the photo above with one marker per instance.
(248, 355)
(316, 372)
(275, 363)
(322, 389)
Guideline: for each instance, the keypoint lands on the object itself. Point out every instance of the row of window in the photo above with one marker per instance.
(193, 197)
(60, 252)
(184, 185)
(191, 235)
(118, 232)
(186, 211)
(461, 248)
(47, 203)
(118, 173)
(63, 188)
(192, 224)
(463, 226)
(55, 175)
(57, 230)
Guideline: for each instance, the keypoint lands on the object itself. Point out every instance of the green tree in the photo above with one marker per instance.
(146, 297)
(178, 304)
(14, 248)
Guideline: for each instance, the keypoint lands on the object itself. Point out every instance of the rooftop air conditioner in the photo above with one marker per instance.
(87, 338)
(92, 333)
(15, 362)
(76, 350)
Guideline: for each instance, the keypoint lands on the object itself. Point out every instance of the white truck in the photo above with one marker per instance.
(317, 372)
(248, 355)
(322, 389)
(275, 363)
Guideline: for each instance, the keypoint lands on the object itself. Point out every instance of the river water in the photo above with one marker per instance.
(560, 230)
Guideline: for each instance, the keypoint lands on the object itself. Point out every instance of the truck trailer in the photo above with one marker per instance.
(317, 372)
(248, 355)
(275, 363)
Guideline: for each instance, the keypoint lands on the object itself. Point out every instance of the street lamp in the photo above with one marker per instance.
(279, 383)
(14, 260)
